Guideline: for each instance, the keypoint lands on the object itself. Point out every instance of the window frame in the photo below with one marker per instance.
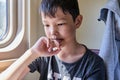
(11, 23)
(3, 35)
(27, 32)
(10, 47)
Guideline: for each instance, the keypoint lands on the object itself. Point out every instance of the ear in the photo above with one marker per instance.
(78, 21)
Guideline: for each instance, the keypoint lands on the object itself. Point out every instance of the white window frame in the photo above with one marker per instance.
(16, 42)
(12, 21)
(28, 29)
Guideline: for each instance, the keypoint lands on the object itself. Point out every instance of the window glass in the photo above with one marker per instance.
(3, 19)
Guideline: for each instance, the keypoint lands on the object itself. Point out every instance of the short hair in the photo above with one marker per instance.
(49, 7)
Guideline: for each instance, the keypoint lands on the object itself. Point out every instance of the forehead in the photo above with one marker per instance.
(58, 15)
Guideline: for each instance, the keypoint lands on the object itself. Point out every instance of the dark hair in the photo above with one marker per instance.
(49, 7)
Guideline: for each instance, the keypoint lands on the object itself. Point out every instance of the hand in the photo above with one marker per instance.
(45, 47)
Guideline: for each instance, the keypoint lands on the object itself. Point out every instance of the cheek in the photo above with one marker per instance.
(69, 29)
(66, 33)
(47, 32)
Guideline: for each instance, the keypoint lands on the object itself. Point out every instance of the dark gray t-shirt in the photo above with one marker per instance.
(89, 67)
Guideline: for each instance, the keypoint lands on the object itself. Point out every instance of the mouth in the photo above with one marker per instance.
(58, 40)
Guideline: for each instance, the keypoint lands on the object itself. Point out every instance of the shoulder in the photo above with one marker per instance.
(94, 60)
(94, 65)
(93, 57)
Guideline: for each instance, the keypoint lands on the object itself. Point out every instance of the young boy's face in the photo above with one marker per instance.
(60, 28)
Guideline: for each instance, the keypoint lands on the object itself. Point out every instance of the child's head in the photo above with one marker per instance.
(49, 7)
(60, 19)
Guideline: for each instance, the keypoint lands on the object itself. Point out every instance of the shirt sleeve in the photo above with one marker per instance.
(38, 64)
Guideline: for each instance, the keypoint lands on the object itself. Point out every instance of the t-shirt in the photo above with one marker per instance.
(89, 67)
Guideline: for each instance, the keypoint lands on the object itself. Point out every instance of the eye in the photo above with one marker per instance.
(46, 25)
(61, 24)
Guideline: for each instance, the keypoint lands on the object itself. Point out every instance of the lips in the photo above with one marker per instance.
(58, 40)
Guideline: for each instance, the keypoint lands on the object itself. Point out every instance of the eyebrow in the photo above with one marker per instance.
(56, 19)
(62, 18)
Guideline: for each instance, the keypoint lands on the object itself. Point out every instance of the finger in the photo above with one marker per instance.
(55, 51)
(46, 41)
(51, 45)
(57, 44)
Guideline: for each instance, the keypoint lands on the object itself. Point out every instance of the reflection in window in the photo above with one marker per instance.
(3, 19)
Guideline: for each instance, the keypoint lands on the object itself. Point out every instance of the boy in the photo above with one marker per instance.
(59, 55)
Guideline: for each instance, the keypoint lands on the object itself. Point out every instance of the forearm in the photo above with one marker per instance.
(15, 70)
(24, 74)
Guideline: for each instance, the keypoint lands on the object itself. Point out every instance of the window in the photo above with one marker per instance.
(14, 42)
(23, 29)
(3, 19)
(8, 23)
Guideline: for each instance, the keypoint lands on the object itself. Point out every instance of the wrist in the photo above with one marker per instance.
(34, 52)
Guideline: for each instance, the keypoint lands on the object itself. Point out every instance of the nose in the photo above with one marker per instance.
(54, 30)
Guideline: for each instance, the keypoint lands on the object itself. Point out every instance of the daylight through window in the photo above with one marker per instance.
(3, 19)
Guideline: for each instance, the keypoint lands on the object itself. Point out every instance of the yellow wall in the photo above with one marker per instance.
(91, 30)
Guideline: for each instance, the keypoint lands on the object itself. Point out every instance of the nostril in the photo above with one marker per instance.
(54, 30)
(54, 33)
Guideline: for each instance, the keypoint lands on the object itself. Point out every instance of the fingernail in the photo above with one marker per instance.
(54, 49)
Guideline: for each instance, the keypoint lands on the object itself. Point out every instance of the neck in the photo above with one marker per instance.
(71, 52)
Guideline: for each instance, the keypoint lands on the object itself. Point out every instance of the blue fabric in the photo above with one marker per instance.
(110, 47)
